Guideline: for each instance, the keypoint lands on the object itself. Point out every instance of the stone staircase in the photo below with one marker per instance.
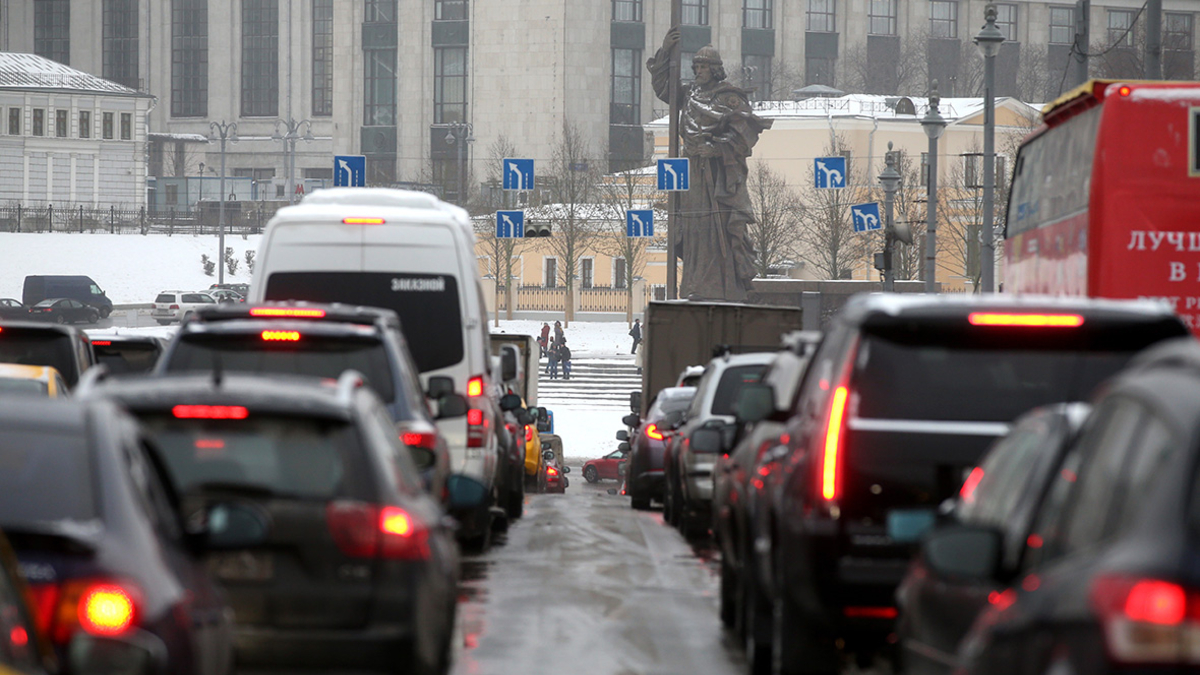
(595, 382)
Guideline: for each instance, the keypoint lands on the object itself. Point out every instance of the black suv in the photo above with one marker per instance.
(68, 350)
(358, 567)
(900, 400)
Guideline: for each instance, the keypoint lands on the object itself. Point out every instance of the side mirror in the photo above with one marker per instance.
(622, 435)
(510, 363)
(907, 526)
(635, 402)
(134, 654)
(525, 417)
(452, 405)
(548, 455)
(566, 469)
(228, 525)
(631, 420)
(963, 551)
(755, 403)
(510, 402)
(706, 439)
(439, 386)
(623, 446)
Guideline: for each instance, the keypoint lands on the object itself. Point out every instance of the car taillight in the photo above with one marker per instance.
(106, 610)
(475, 386)
(98, 607)
(528, 433)
(363, 530)
(1022, 319)
(967, 493)
(476, 428)
(1148, 621)
(281, 335)
(833, 440)
(289, 312)
(363, 221)
(870, 612)
(653, 432)
(101, 343)
(173, 307)
(419, 439)
(210, 412)
(551, 471)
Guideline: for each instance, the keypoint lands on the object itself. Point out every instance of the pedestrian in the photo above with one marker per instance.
(636, 334)
(564, 355)
(558, 332)
(552, 366)
(544, 340)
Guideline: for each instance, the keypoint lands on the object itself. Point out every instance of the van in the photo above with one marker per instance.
(414, 254)
(76, 287)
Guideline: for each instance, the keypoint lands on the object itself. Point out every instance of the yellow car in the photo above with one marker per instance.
(18, 380)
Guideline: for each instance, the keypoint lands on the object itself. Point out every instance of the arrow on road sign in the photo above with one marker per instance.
(830, 172)
(639, 223)
(866, 217)
(349, 170)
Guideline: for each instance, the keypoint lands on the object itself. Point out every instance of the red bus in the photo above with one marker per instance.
(1105, 197)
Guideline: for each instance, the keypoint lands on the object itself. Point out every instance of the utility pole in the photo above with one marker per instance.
(1083, 37)
(1154, 40)
(673, 151)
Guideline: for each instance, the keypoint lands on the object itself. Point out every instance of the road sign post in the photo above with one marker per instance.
(829, 172)
(517, 174)
(639, 223)
(349, 170)
(866, 217)
(510, 224)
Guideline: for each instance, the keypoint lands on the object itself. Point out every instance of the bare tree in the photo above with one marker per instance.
(778, 211)
(502, 251)
(827, 235)
(903, 74)
(573, 178)
(783, 78)
(618, 194)
(1034, 73)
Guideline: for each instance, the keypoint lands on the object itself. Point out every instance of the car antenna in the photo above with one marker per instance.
(217, 373)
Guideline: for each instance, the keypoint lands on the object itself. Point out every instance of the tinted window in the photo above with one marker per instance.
(197, 298)
(165, 297)
(48, 303)
(45, 476)
(39, 348)
(1011, 469)
(1103, 450)
(732, 381)
(312, 355)
(1153, 448)
(428, 305)
(126, 357)
(303, 458)
(668, 404)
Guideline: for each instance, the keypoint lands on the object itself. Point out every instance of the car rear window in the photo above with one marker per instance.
(165, 297)
(197, 298)
(126, 357)
(664, 405)
(428, 306)
(730, 386)
(45, 476)
(39, 348)
(12, 385)
(291, 457)
(313, 355)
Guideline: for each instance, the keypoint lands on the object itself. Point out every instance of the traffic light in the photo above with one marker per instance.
(533, 229)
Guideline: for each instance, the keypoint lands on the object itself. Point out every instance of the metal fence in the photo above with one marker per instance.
(596, 299)
(68, 218)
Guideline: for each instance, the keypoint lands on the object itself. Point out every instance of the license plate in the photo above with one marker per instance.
(242, 566)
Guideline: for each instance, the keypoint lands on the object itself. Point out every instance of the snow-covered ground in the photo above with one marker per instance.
(585, 338)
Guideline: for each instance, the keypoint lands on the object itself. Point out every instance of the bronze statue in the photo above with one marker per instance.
(719, 130)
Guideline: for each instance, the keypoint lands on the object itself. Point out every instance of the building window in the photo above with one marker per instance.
(319, 174)
(62, 123)
(52, 29)
(189, 58)
(380, 11)
(587, 273)
(757, 14)
(120, 42)
(171, 193)
(85, 124)
(260, 58)
(626, 87)
(107, 126)
(39, 122)
(1177, 31)
(1062, 25)
(449, 85)
(943, 19)
(973, 170)
(1120, 27)
(14, 121)
(1006, 21)
(550, 266)
(627, 10)
(322, 60)
(619, 273)
(450, 10)
(695, 12)
(127, 126)
(756, 76)
(379, 106)
(881, 17)
(821, 16)
(819, 70)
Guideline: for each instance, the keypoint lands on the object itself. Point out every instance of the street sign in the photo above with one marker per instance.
(830, 172)
(639, 223)
(518, 174)
(510, 224)
(673, 174)
(866, 217)
(349, 170)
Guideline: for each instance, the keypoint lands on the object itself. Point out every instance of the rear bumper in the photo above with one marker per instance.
(651, 482)
(374, 648)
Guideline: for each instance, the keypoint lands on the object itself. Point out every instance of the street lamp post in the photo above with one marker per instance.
(222, 131)
(289, 136)
(933, 123)
(890, 181)
(988, 40)
(460, 133)
(200, 199)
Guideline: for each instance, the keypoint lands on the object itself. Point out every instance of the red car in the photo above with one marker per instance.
(605, 467)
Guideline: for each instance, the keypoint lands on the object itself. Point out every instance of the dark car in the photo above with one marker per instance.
(241, 289)
(898, 404)
(77, 287)
(96, 525)
(63, 310)
(1003, 492)
(13, 309)
(359, 567)
(126, 353)
(320, 341)
(644, 479)
(65, 348)
(1110, 581)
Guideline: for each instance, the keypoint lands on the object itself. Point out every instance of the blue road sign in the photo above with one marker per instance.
(510, 224)
(673, 174)
(866, 217)
(639, 223)
(518, 174)
(349, 170)
(830, 172)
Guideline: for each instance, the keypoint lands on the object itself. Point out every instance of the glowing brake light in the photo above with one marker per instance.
(967, 493)
(281, 335)
(528, 432)
(474, 416)
(475, 386)
(1124, 91)
(102, 343)
(363, 221)
(829, 465)
(1147, 621)
(870, 612)
(653, 432)
(288, 312)
(394, 520)
(551, 471)
(106, 610)
(210, 412)
(1032, 320)
(419, 439)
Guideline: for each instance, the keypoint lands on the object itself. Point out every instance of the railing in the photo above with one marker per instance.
(603, 300)
(540, 299)
(68, 218)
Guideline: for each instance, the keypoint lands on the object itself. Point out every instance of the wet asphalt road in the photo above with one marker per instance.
(585, 585)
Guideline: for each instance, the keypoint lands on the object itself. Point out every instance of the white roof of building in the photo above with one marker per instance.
(23, 71)
(871, 106)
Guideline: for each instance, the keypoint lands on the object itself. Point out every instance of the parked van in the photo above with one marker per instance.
(414, 254)
(76, 287)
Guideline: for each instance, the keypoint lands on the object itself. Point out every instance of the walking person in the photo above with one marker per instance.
(544, 340)
(552, 366)
(558, 332)
(564, 355)
(636, 334)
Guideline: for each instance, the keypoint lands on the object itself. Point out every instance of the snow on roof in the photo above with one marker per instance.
(30, 71)
(186, 138)
(868, 106)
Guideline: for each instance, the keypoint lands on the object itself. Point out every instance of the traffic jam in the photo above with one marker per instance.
(349, 472)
